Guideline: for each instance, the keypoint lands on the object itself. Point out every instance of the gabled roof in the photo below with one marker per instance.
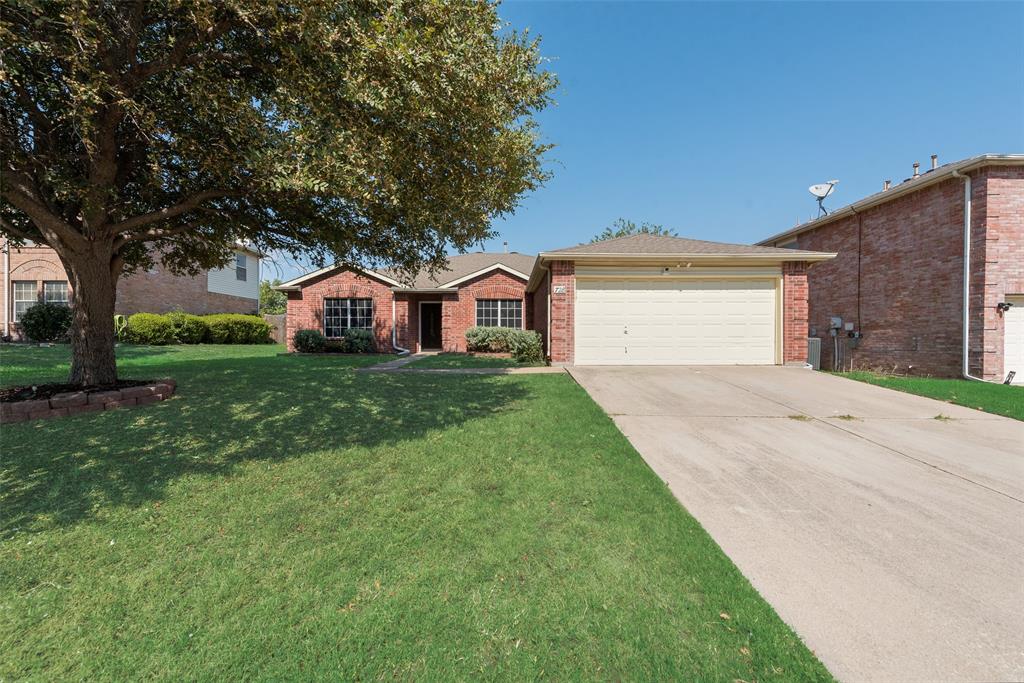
(461, 267)
(665, 245)
(929, 177)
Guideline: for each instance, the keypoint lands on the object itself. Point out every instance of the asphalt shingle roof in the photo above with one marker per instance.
(461, 265)
(667, 245)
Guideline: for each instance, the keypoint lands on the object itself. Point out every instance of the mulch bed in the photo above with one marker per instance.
(45, 391)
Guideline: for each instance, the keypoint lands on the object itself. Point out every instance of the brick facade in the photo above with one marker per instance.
(563, 298)
(458, 307)
(794, 312)
(898, 276)
(144, 292)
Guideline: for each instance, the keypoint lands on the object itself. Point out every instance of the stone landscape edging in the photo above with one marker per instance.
(77, 402)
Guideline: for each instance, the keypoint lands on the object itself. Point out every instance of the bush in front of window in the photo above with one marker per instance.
(524, 345)
(356, 340)
(236, 328)
(46, 322)
(151, 329)
(309, 341)
(188, 328)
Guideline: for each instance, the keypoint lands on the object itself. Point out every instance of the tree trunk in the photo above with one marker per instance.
(94, 285)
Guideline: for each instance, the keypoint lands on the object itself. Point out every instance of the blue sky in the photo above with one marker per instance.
(714, 118)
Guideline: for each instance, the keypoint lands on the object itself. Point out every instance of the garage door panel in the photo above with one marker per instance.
(672, 322)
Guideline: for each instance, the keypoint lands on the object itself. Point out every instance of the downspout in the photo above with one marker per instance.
(7, 287)
(966, 371)
(394, 328)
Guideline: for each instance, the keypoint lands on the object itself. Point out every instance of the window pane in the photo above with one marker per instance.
(361, 313)
(335, 317)
(487, 312)
(55, 292)
(512, 313)
(24, 296)
(240, 267)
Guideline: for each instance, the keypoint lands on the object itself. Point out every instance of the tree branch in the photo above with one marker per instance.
(181, 207)
(8, 227)
(21, 192)
(154, 234)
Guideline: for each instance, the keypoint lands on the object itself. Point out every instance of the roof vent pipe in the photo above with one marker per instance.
(506, 246)
(935, 161)
(917, 170)
(886, 185)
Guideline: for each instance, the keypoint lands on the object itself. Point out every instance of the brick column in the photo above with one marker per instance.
(794, 312)
(562, 324)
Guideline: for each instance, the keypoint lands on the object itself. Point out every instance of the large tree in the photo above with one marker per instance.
(623, 228)
(360, 130)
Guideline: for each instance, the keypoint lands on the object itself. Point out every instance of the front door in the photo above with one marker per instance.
(430, 326)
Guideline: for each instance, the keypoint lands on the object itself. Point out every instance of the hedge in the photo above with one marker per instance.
(183, 328)
(352, 341)
(524, 345)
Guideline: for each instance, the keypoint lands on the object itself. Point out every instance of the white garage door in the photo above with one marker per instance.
(1013, 339)
(675, 322)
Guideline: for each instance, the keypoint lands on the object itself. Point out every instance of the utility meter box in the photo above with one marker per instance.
(835, 323)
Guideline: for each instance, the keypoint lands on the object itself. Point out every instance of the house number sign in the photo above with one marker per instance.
(559, 289)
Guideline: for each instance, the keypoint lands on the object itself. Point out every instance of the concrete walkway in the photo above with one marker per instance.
(891, 541)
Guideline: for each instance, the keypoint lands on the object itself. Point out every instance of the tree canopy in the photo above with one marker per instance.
(272, 302)
(356, 130)
(623, 228)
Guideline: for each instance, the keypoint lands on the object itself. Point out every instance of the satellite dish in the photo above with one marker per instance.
(822, 190)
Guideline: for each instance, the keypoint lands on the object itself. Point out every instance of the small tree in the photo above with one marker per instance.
(380, 131)
(624, 228)
(272, 302)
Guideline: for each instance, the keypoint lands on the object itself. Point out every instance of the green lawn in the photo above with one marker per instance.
(287, 517)
(1000, 399)
(466, 360)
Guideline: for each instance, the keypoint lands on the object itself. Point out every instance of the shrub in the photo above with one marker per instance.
(234, 328)
(309, 341)
(359, 341)
(188, 328)
(46, 322)
(149, 328)
(524, 345)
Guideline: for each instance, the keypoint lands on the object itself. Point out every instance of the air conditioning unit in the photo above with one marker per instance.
(814, 352)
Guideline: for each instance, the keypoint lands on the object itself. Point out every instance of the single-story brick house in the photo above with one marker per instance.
(896, 290)
(641, 299)
(34, 273)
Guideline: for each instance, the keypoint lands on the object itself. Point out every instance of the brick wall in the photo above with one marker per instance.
(563, 274)
(1000, 210)
(909, 254)
(794, 312)
(306, 307)
(539, 317)
(459, 312)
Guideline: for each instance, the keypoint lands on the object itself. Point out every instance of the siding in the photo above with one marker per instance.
(224, 281)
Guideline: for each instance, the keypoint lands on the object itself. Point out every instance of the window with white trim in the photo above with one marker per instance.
(499, 313)
(56, 292)
(344, 314)
(241, 267)
(25, 295)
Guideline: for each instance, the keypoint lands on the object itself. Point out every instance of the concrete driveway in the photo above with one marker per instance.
(892, 542)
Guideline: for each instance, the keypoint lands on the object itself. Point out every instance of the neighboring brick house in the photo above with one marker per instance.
(634, 300)
(34, 273)
(896, 286)
(428, 312)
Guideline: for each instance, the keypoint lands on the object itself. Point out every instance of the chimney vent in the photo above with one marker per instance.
(506, 246)
(886, 185)
(935, 161)
(917, 170)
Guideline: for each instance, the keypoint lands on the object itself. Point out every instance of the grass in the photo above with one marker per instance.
(1000, 399)
(466, 360)
(287, 517)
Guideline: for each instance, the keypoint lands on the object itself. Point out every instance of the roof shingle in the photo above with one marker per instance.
(659, 245)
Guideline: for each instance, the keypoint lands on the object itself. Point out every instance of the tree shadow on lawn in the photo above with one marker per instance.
(226, 412)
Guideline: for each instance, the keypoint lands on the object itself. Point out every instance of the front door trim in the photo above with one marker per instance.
(419, 323)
